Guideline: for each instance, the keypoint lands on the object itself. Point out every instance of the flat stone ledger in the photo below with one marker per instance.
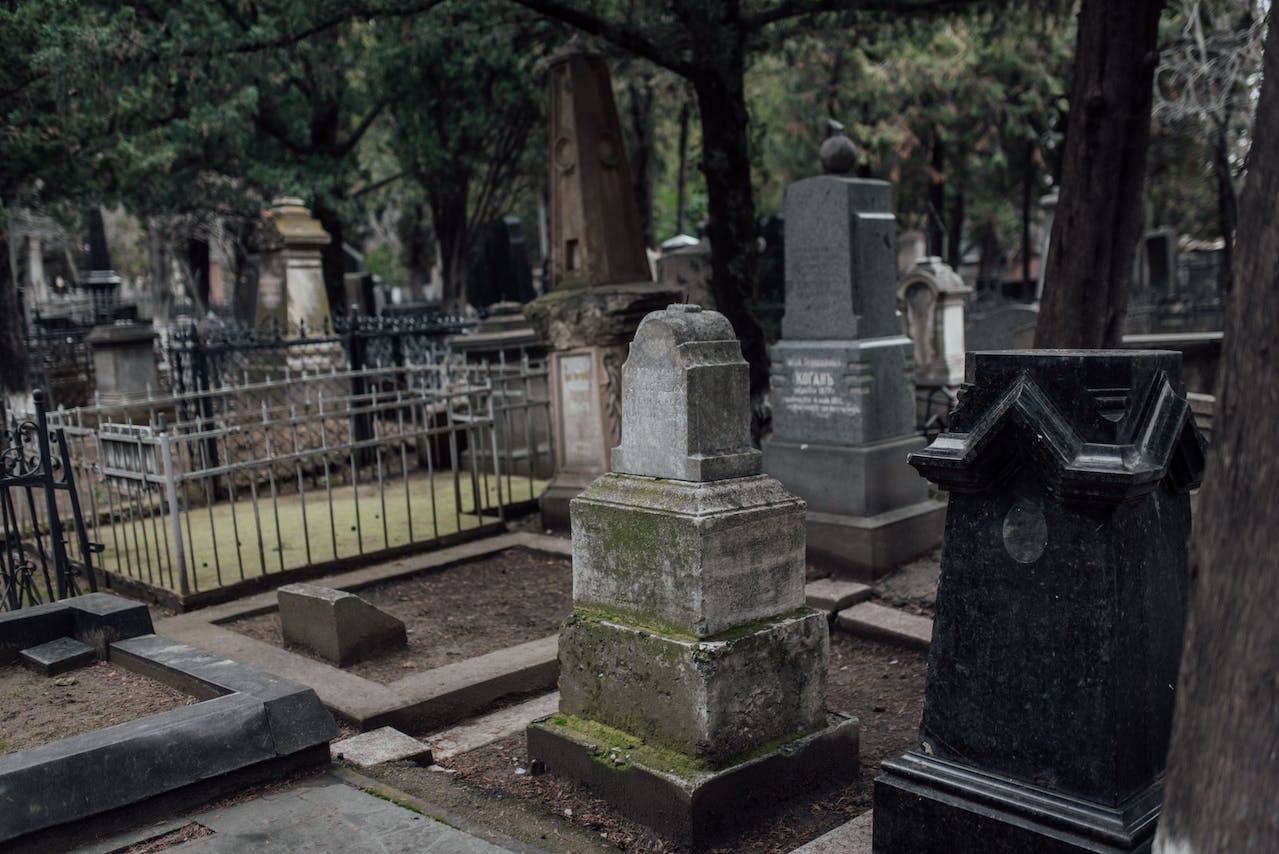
(1060, 609)
(712, 700)
(687, 558)
(685, 386)
(841, 263)
(337, 625)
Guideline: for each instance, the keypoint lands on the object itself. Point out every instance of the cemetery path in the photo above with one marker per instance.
(36, 709)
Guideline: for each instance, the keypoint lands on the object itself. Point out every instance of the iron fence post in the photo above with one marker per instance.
(175, 515)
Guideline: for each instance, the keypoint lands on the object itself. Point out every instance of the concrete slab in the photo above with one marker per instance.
(852, 837)
(878, 621)
(834, 594)
(375, 747)
(322, 814)
(419, 702)
(58, 656)
(482, 730)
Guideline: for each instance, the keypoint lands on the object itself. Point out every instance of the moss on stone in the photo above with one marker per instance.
(609, 745)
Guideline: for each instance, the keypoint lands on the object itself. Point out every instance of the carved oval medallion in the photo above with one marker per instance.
(1025, 531)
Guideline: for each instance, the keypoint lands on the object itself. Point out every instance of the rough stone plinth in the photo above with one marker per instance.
(1060, 609)
(712, 700)
(679, 798)
(336, 625)
(690, 558)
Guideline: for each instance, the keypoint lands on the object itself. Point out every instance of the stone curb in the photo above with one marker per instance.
(851, 837)
(421, 701)
(832, 594)
(879, 621)
(246, 719)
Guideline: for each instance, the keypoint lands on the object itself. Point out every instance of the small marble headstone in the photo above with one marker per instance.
(686, 400)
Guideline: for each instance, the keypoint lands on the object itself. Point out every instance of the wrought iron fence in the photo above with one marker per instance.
(210, 488)
(36, 490)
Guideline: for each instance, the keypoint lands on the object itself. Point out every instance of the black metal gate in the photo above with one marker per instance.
(36, 489)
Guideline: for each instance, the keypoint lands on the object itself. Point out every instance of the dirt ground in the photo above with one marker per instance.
(524, 595)
(880, 683)
(37, 709)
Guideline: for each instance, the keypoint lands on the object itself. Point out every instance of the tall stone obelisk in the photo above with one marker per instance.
(600, 286)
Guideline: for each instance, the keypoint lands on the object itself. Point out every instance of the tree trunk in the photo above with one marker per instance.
(641, 115)
(1027, 199)
(721, 103)
(955, 231)
(1223, 762)
(1227, 214)
(937, 198)
(13, 350)
(448, 215)
(331, 259)
(1099, 220)
(681, 176)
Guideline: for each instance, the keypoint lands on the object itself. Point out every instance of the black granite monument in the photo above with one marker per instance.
(1060, 608)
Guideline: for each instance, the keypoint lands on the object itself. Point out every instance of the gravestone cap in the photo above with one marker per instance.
(686, 400)
(838, 153)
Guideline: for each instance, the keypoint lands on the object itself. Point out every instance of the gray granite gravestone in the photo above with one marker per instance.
(692, 676)
(1060, 610)
(843, 387)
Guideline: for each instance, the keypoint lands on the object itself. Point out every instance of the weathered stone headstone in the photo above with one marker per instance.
(124, 358)
(336, 625)
(692, 676)
(601, 284)
(931, 300)
(1060, 610)
(1001, 326)
(843, 385)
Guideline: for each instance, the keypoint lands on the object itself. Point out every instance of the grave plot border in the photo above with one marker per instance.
(247, 726)
(422, 701)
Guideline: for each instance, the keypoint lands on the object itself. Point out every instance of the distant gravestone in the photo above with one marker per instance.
(1000, 326)
(498, 270)
(930, 298)
(1060, 612)
(843, 390)
(687, 268)
(336, 625)
(689, 636)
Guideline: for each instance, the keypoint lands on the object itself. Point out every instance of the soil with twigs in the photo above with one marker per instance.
(36, 709)
(460, 612)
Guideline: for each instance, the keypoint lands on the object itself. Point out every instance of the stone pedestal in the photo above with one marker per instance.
(124, 359)
(291, 296)
(690, 668)
(842, 384)
(1060, 609)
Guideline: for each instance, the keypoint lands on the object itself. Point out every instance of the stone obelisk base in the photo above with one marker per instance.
(675, 797)
(927, 805)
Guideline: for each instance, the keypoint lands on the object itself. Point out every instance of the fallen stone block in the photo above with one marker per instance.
(381, 745)
(878, 621)
(833, 594)
(336, 625)
(58, 656)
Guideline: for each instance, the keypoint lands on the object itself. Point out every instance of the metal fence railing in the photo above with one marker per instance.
(45, 554)
(194, 492)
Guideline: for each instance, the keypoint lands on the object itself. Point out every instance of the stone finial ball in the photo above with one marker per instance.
(838, 154)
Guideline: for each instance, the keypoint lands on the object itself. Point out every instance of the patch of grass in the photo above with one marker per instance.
(230, 541)
(402, 805)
